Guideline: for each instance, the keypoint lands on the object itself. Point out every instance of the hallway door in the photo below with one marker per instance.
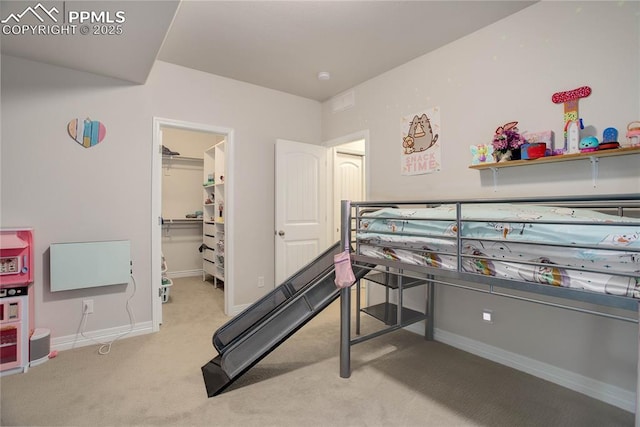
(348, 183)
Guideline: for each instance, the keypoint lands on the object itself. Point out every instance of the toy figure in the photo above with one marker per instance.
(588, 143)
(633, 133)
(572, 122)
(481, 153)
(609, 139)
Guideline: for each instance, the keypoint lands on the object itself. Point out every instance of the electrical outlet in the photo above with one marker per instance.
(87, 306)
(487, 316)
(260, 281)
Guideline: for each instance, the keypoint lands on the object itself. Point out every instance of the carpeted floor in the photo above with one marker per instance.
(398, 379)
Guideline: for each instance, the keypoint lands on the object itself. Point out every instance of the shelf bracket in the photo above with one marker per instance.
(594, 170)
(495, 179)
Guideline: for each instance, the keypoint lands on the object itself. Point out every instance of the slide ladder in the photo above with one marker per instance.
(253, 334)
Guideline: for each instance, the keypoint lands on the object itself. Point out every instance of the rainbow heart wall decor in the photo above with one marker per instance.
(87, 132)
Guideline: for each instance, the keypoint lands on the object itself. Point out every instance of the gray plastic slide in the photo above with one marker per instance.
(251, 335)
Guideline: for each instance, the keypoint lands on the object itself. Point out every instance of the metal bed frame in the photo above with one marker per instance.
(401, 276)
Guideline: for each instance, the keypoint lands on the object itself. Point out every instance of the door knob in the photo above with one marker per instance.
(281, 233)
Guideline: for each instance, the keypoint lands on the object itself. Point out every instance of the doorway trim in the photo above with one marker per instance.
(156, 210)
(333, 144)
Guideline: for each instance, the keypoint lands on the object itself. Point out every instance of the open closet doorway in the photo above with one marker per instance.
(191, 198)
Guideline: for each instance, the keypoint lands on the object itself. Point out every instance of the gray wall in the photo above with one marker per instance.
(508, 71)
(69, 193)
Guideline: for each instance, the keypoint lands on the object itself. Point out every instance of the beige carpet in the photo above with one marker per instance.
(398, 379)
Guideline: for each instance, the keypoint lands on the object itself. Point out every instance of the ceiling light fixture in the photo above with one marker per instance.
(324, 75)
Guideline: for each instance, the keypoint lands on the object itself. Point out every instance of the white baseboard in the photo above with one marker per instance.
(183, 273)
(103, 336)
(608, 393)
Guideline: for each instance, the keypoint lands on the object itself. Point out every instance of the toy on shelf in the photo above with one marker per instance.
(481, 153)
(545, 136)
(533, 150)
(633, 134)
(507, 142)
(588, 144)
(609, 139)
(539, 144)
(572, 121)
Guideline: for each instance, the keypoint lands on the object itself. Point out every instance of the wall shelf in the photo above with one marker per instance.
(593, 157)
(563, 158)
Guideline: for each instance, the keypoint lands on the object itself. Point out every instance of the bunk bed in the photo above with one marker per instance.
(575, 253)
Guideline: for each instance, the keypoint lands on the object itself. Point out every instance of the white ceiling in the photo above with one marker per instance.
(128, 56)
(276, 44)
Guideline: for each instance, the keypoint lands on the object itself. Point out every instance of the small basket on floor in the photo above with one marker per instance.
(164, 289)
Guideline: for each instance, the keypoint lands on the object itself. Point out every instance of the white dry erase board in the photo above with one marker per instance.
(89, 264)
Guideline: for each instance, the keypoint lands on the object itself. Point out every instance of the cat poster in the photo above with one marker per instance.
(420, 145)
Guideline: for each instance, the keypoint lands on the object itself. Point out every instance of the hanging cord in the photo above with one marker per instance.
(105, 348)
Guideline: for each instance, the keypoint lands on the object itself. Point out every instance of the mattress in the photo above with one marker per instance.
(574, 248)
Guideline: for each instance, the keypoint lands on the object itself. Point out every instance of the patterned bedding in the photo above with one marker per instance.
(575, 248)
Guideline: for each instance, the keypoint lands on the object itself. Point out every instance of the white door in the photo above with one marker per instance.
(348, 184)
(301, 206)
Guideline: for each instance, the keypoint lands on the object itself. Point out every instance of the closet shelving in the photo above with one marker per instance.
(167, 223)
(168, 160)
(166, 157)
(213, 217)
